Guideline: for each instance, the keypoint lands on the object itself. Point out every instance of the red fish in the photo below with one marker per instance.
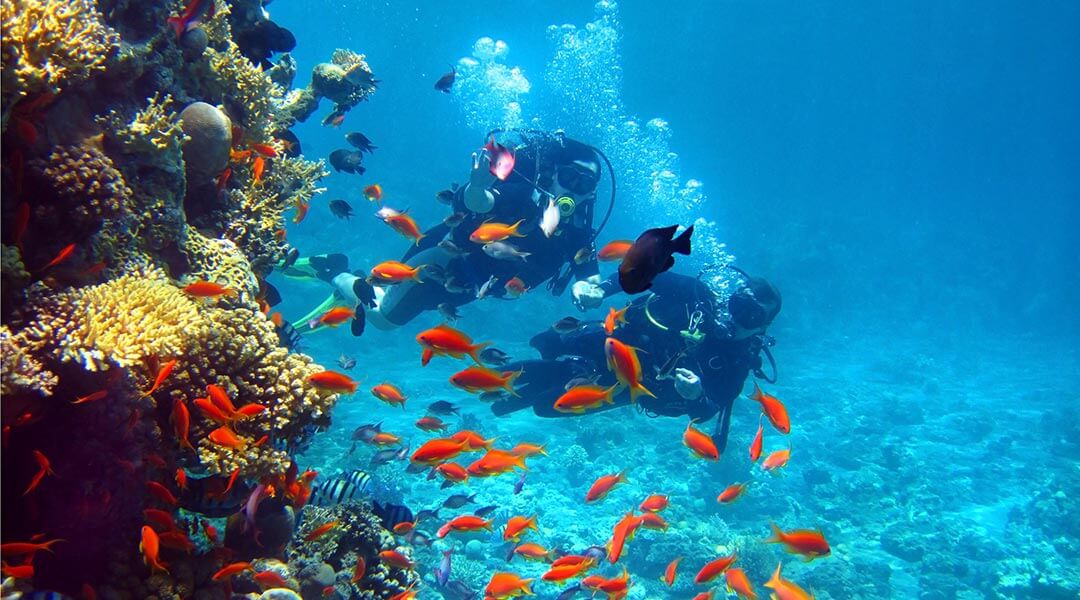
(430, 423)
(651, 520)
(809, 543)
(9, 549)
(160, 517)
(163, 372)
(464, 523)
(713, 569)
(613, 318)
(226, 438)
(161, 492)
(496, 462)
(515, 287)
(624, 530)
(444, 340)
(602, 486)
(615, 250)
(181, 479)
(755, 446)
(210, 531)
(211, 411)
(373, 192)
(98, 395)
(63, 255)
(18, 571)
(44, 468)
(320, 531)
(302, 208)
(333, 381)
(622, 359)
(150, 546)
(699, 443)
(359, 569)
(738, 582)
(482, 379)
(223, 179)
(527, 449)
(773, 408)
(333, 317)
(776, 460)
(194, 13)
(406, 226)
(437, 451)
(581, 398)
(396, 559)
(516, 526)
(669, 572)
(207, 289)
(489, 232)
(452, 472)
(473, 441)
(257, 169)
(181, 419)
(501, 159)
(269, 579)
(389, 393)
(229, 571)
(265, 149)
(654, 503)
(731, 493)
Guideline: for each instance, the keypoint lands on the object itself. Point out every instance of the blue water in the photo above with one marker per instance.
(906, 174)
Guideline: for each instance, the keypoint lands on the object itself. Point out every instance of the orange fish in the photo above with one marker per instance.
(207, 289)
(98, 395)
(516, 526)
(654, 503)
(624, 530)
(809, 543)
(669, 572)
(755, 446)
(181, 419)
(704, 596)
(406, 226)
(651, 520)
(229, 571)
(515, 287)
(614, 317)
(44, 468)
(160, 517)
(161, 492)
(738, 582)
(581, 398)
(181, 479)
(302, 209)
(482, 379)
(562, 573)
(265, 149)
(473, 441)
(239, 155)
(430, 423)
(257, 169)
(333, 317)
(226, 438)
(389, 393)
(277, 320)
(531, 551)
(713, 569)
(223, 179)
(269, 579)
(700, 444)
(384, 438)
(773, 408)
(437, 451)
(496, 462)
(784, 589)
(250, 410)
(211, 411)
(63, 255)
(333, 381)
(507, 585)
(162, 374)
(776, 460)
(408, 594)
(732, 493)
(571, 559)
(404, 527)
(320, 531)
(444, 340)
(602, 486)
(392, 271)
(623, 361)
(221, 399)
(452, 472)
(373, 192)
(526, 450)
(228, 486)
(9, 549)
(464, 524)
(495, 232)
(176, 540)
(150, 546)
(359, 569)
(614, 250)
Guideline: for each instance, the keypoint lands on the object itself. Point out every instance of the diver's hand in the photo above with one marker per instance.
(688, 384)
(587, 293)
(479, 198)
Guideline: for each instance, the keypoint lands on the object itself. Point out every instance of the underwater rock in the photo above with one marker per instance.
(280, 594)
(328, 81)
(194, 43)
(901, 542)
(209, 131)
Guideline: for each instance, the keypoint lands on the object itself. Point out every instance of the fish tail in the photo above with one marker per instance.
(474, 352)
(681, 244)
(777, 535)
(514, 228)
(637, 389)
(520, 461)
(609, 394)
(756, 394)
(510, 377)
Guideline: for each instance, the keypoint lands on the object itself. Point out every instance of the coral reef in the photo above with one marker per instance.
(83, 185)
(209, 133)
(153, 135)
(49, 44)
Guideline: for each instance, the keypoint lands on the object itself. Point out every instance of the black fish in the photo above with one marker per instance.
(341, 209)
(494, 357)
(492, 396)
(597, 553)
(260, 41)
(364, 433)
(203, 495)
(341, 489)
(485, 511)
(457, 590)
(290, 258)
(447, 196)
(360, 142)
(335, 118)
(269, 293)
(446, 484)
(347, 161)
(442, 407)
(567, 325)
(520, 484)
(426, 514)
(459, 500)
(650, 255)
(446, 81)
(414, 468)
(383, 457)
(292, 143)
(346, 362)
(391, 514)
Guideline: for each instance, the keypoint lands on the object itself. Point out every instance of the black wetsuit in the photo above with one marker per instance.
(721, 363)
(516, 199)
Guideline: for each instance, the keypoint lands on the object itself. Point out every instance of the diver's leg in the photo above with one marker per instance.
(404, 301)
(540, 384)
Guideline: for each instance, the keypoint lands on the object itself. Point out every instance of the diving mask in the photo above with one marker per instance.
(578, 177)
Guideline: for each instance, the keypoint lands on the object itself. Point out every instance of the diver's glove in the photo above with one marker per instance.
(478, 196)
(688, 384)
(587, 293)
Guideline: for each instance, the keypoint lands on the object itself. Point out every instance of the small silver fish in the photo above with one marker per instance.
(435, 273)
(454, 287)
(454, 220)
(505, 251)
(494, 357)
(449, 312)
(446, 196)
(486, 288)
(573, 383)
(346, 362)
(550, 221)
(493, 396)
(451, 248)
(567, 325)
(386, 212)
(442, 571)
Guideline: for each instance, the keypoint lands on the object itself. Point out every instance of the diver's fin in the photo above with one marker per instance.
(359, 321)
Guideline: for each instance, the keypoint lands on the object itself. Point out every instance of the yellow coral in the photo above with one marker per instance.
(248, 86)
(152, 132)
(119, 322)
(49, 43)
(219, 261)
(22, 371)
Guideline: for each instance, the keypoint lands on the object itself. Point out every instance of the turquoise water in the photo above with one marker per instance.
(906, 176)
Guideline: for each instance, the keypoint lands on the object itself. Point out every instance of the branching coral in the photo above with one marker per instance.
(249, 87)
(219, 261)
(120, 322)
(22, 372)
(48, 44)
(85, 184)
(153, 133)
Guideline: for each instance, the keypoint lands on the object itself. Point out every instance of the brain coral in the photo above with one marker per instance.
(48, 43)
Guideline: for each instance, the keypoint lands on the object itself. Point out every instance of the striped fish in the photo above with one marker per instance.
(342, 488)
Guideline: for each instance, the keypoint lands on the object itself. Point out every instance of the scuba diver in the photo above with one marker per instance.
(697, 351)
(548, 167)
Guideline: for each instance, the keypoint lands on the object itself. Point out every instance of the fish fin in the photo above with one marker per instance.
(681, 244)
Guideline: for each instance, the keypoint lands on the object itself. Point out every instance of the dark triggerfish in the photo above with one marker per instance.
(651, 255)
